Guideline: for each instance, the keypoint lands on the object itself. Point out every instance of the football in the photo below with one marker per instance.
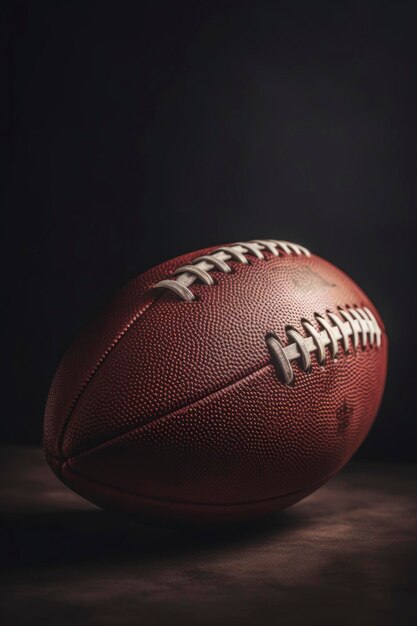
(219, 386)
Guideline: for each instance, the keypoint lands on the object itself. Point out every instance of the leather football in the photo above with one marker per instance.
(219, 386)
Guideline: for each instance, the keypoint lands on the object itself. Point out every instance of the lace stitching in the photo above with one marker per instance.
(359, 321)
(218, 260)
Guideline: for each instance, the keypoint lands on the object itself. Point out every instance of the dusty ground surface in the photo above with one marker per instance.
(346, 555)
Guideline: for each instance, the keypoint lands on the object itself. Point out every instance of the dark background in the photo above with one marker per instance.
(135, 132)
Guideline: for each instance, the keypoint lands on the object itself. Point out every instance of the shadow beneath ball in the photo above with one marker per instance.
(45, 536)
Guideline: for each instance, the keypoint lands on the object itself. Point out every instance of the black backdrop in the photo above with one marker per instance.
(135, 132)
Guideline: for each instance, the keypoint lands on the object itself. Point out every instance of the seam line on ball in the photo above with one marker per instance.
(119, 435)
(207, 396)
(311, 486)
(96, 367)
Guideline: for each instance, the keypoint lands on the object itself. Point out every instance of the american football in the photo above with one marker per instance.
(219, 386)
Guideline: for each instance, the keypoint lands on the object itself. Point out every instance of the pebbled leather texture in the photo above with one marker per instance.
(170, 409)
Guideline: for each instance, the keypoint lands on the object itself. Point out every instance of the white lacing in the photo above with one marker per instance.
(217, 260)
(359, 323)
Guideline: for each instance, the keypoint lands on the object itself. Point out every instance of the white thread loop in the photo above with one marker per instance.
(268, 245)
(345, 337)
(358, 321)
(181, 290)
(213, 260)
(315, 335)
(234, 254)
(253, 249)
(333, 341)
(376, 327)
(197, 271)
(354, 327)
(278, 351)
(302, 348)
(219, 259)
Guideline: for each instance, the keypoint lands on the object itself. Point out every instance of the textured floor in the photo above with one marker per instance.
(346, 555)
